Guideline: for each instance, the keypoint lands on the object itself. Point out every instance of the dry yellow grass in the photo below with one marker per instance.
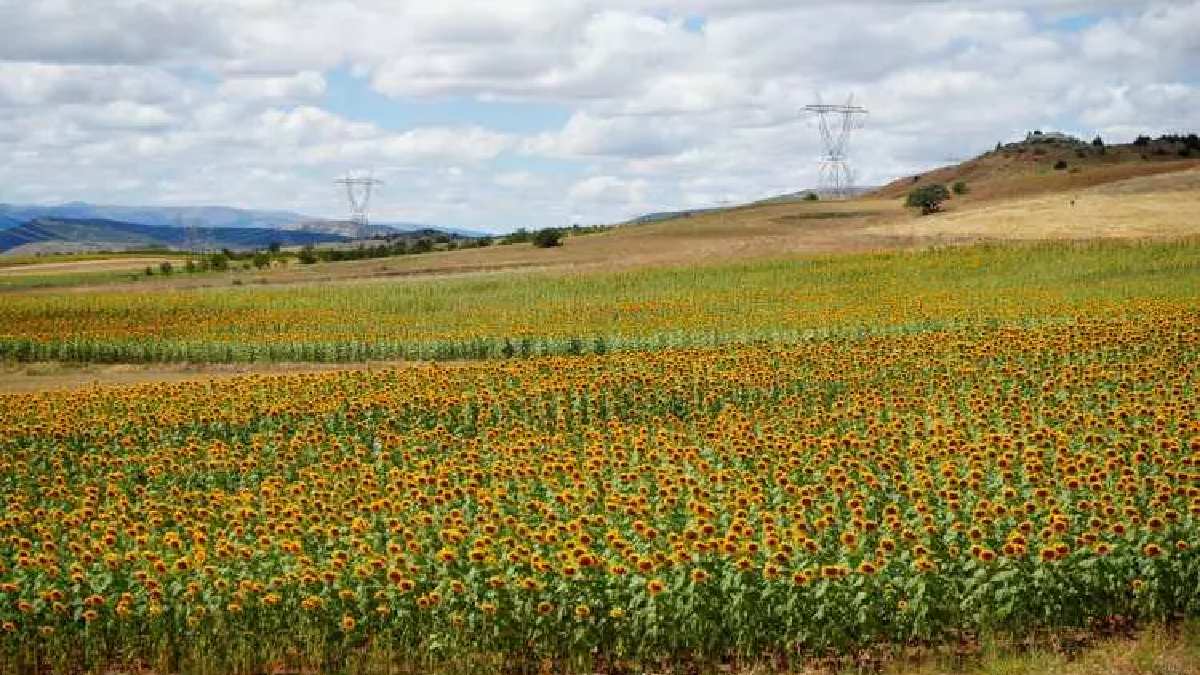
(55, 376)
(1154, 651)
(1162, 206)
(114, 264)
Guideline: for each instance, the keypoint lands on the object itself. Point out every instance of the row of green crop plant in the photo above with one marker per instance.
(154, 350)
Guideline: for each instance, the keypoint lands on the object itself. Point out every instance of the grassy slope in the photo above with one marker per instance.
(1021, 170)
(1160, 205)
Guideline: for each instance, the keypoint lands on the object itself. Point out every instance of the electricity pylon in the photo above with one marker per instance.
(836, 123)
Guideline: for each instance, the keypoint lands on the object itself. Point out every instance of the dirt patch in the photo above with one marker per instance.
(55, 376)
(68, 267)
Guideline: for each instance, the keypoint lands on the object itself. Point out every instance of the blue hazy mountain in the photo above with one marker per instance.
(420, 227)
(162, 216)
(99, 233)
(215, 217)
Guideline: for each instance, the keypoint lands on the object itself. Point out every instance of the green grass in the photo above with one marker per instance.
(22, 282)
(545, 313)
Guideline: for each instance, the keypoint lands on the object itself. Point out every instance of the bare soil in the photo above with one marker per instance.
(20, 378)
(117, 264)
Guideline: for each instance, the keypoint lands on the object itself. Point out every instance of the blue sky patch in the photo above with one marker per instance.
(352, 97)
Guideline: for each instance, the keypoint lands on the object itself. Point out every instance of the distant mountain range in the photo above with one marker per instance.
(161, 216)
(47, 235)
(212, 217)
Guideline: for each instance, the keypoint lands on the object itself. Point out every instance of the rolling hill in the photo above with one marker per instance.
(81, 234)
(1053, 164)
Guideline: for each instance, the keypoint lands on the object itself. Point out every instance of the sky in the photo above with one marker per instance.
(532, 113)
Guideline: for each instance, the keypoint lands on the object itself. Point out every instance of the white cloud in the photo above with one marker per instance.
(618, 136)
(25, 83)
(609, 189)
(230, 100)
(306, 84)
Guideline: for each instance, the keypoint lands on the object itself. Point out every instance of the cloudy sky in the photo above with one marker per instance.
(496, 114)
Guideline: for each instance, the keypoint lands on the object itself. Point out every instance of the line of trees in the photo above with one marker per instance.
(226, 259)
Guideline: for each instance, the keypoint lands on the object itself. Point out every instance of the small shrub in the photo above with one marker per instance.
(960, 187)
(547, 238)
(149, 271)
(307, 255)
(166, 267)
(811, 197)
(1060, 165)
(928, 197)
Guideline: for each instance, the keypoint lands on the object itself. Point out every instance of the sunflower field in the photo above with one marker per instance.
(767, 498)
(528, 315)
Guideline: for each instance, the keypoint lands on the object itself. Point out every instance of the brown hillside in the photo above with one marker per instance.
(1027, 169)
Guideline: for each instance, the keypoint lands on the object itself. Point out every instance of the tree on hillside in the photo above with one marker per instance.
(960, 187)
(1098, 142)
(517, 236)
(928, 197)
(547, 238)
(308, 255)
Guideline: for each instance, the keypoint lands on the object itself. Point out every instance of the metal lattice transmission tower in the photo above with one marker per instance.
(358, 195)
(192, 242)
(836, 123)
